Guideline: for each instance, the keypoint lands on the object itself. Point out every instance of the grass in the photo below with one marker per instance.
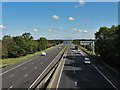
(86, 51)
(63, 50)
(11, 61)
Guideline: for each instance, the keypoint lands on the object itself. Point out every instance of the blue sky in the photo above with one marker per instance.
(58, 20)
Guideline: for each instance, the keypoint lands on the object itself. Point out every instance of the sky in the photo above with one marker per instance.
(58, 20)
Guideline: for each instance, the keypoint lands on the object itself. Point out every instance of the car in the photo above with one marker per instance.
(76, 47)
(79, 50)
(43, 53)
(73, 50)
(59, 47)
(87, 61)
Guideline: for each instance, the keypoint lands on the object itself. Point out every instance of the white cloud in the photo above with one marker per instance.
(55, 17)
(79, 30)
(50, 30)
(35, 30)
(61, 28)
(71, 18)
(81, 3)
(2, 26)
(83, 31)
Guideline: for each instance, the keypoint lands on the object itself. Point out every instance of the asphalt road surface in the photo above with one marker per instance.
(23, 75)
(77, 75)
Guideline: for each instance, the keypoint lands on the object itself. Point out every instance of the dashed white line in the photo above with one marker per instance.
(26, 75)
(74, 71)
(35, 67)
(32, 63)
(12, 75)
(18, 65)
(10, 87)
(41, 63)
(42, 73)
(24, 68)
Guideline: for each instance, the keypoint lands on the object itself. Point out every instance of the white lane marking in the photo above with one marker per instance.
(42, 73)
(75, 83)
(26, 75)
(41, 63)
(18, 65)
(10, 87)
(24, 68)
(60, 73)
(35, 67)
(104, 76)
(74, 71)
(32, 63)
(12, 75)
(101, 73)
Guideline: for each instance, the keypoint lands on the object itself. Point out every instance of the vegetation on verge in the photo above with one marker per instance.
(108, 45)
(22, 47)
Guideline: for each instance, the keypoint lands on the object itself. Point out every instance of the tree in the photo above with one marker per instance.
(77, 42)
(9, 47)
(107, 45)
(42, 43)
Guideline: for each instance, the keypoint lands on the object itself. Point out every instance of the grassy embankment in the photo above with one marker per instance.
(11, 61)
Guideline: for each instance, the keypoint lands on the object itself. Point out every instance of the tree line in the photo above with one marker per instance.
(107, 45)
(24, 44)
(77, 42)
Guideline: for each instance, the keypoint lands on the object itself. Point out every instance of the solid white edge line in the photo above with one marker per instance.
(42, 73)
(18, 65)
(104, 76)
(60, 74)
(26, 75)
(12, 75)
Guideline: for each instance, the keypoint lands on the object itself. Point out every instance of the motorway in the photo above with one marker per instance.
(77, 75)
(24, 74)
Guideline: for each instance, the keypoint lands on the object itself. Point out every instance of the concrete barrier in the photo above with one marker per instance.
(54, 82)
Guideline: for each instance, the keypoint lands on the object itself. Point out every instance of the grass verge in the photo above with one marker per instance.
(10, 61)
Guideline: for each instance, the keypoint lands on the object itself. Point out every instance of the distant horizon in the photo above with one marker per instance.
(58, 20)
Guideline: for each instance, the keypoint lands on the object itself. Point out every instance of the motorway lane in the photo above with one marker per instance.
(24, 75)
(77, 75)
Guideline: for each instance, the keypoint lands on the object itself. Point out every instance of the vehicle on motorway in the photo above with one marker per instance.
(87, 61)
(79, 50)
(73, 50)
(43, 53)
(59, 47)
(76, 47)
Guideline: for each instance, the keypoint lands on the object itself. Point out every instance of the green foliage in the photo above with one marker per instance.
(55, 42)
(77, 42)
(107, 45)
(42, 43)
(17, 46)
